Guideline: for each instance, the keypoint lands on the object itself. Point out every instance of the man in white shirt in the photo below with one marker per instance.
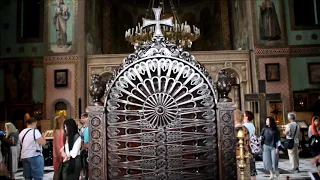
(32, 141)
(292, 132)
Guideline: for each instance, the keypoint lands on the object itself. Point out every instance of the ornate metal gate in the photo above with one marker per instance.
(161, 117)
(160, 120)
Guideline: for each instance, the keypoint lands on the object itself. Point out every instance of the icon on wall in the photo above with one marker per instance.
(314, 73)
(61, 78)
(272, 72)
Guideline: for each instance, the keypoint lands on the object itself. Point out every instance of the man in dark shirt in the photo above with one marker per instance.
(316, 107)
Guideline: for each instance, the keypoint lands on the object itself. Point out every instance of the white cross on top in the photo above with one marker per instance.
(157, 22)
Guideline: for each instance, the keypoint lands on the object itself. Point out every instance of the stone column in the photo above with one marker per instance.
(227, 140)
(227, 143)
(97, 143)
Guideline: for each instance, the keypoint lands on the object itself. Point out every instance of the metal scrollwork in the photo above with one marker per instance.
(161, 116)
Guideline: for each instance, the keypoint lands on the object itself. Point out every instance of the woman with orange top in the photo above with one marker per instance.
(314, 137)
(57, 144)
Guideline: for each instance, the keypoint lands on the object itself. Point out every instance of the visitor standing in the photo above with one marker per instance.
(31, 151)
(11, 159)
(84, 133)
(314, 138)
(57, 144)
(70, 152)
(292, 132)
(248, 118)
(270, 138)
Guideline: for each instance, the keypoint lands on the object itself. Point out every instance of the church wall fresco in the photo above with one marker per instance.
(271, 34)
(282, 86)
(60, 28)
(240, 19)
(34, 81)
(93, 27)
(299, 36)
(69, 93)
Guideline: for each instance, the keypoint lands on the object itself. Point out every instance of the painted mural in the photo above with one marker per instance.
(269, 22)
(18, 81)
(240, 25)
(93, 27)
(60, 25)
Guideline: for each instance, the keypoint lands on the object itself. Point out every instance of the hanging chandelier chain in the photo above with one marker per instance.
(174, 11)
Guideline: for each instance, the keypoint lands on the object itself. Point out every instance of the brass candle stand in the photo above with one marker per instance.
(243, 159)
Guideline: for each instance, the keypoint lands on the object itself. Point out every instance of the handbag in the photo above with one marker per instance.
(314, 143)
(289, 143)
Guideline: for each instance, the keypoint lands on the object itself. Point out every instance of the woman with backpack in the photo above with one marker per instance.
(70, 152)
(270, 138)
(314, 138)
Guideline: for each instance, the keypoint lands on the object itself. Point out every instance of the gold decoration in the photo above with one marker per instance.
(61, 113)
(243, 159)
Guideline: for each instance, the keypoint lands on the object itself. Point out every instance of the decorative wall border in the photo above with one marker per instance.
(36, 61)
(292, 51)
(225, 25)
(56, 60)
(291, 102)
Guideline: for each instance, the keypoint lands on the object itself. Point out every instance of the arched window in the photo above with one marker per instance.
(61, 109)
(235, 90)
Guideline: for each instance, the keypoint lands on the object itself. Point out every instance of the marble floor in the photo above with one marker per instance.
(306, 169)
(284, 166)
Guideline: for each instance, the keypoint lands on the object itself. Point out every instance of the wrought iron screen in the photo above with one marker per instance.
(161, 117)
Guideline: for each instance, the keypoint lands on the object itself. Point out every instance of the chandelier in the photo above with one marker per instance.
(176, 32)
